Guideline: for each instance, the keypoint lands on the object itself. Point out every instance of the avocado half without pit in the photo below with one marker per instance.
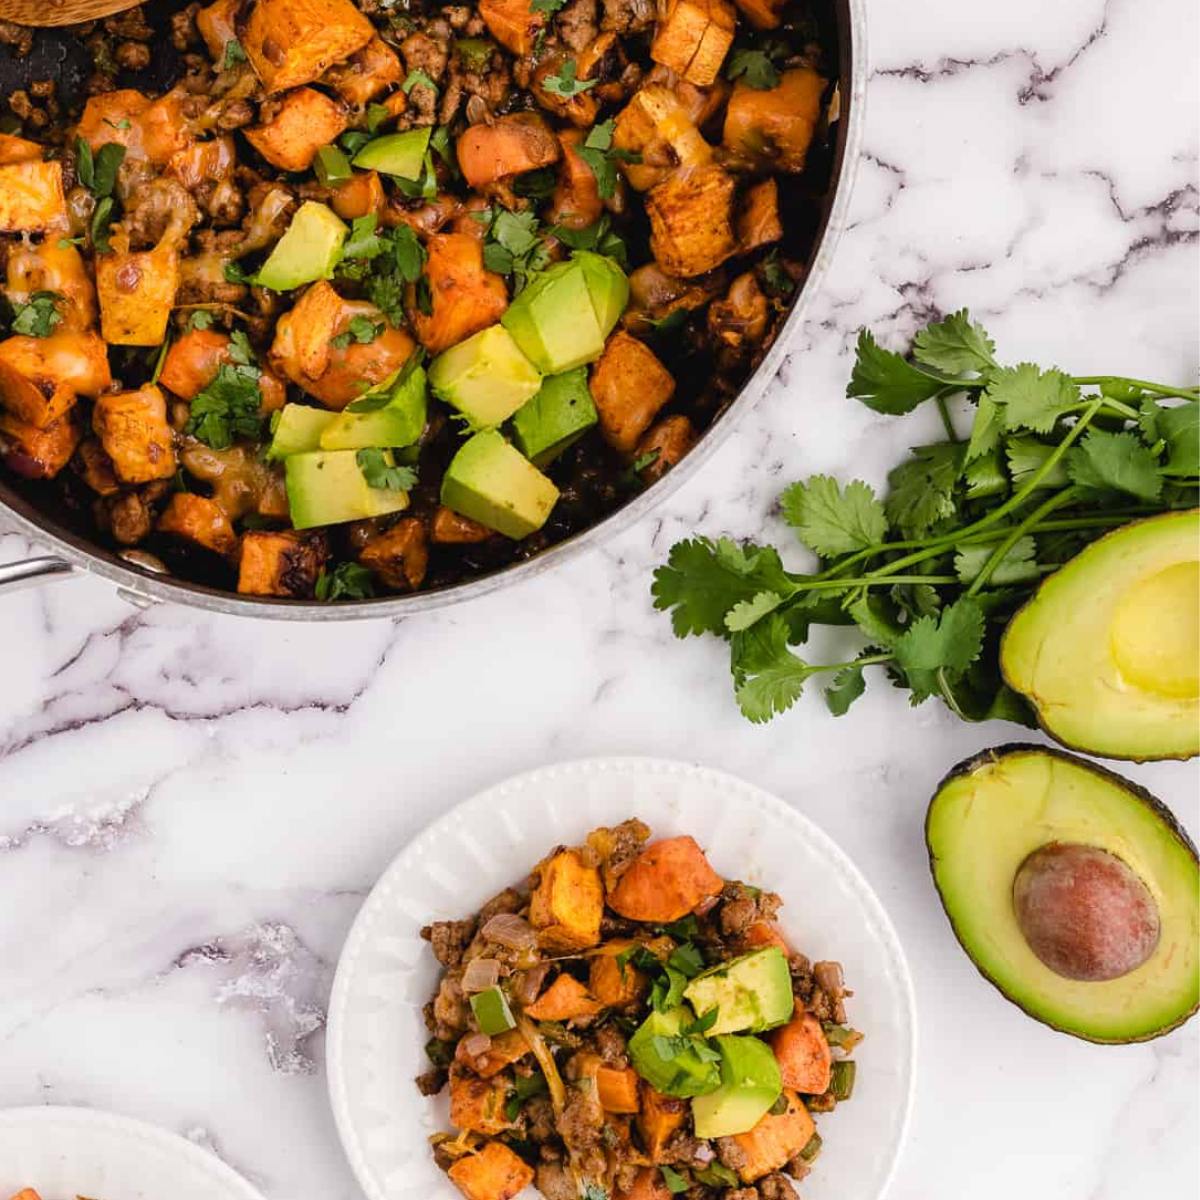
(1072, 890)
(1107, 651)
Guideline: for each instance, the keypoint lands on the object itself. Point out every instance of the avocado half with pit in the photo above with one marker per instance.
(1072, 890)
(1107, 651)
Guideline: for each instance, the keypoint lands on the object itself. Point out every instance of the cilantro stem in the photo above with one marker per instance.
(944, 411)
(1157, 389)
(1058, 500)
(842, 583)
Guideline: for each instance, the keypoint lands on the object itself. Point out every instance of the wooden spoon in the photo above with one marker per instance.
(60, 12)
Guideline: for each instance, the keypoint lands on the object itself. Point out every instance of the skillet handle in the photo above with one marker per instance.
(31, 572)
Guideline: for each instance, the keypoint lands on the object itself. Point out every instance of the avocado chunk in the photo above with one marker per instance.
(486, 377)
(308, 251)
(393, 415)
(493, 483)
(554, 419)
(607, 286)
(752, 992)
(750, 1085)
(399, 154)
(1107, 650)
(326, 487)
(1072, 890)
(297, 430)
(554, 320)
(671, 1062)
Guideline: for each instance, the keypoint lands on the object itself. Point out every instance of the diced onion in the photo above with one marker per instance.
(509, 930)
(481, 974)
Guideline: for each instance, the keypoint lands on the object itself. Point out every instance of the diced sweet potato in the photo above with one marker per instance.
(657, 127)
(764, 933)
(150, 130)
(505, 1050)
(399, 555)
(359, 196)
(494, 1173)
(617, 1089)
(566, 999)
(305, 121)
(758, 222)
(35, 453)
(567, 903)
(691, 221)
(194, 359)
(665, 882)
(200, 520)
(132, 428)
(629, 386)
(702, 103)
(576, 202)
(805, 1060)
(451, 529)
(31, 197)
(366, 73)
(515, 24)
(286, 563)
(27, 1194)
(95, 468)
(775, 1140)
(668, 442)
(17, 149)
(508, 146)
(762, 14)
(659, 1117)
(705, 67)
(648, 1185)
(215, 23)
(137, 291)
(478, 1104)
(466, 297)
(693, 38)
(51, 267)
(615, 983)
(76, 362)
(290, 42)
(773, 127)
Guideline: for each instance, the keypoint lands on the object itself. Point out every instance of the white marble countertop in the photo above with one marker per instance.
(192, 808)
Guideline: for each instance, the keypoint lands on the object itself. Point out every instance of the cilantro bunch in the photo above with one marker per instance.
(969, 526)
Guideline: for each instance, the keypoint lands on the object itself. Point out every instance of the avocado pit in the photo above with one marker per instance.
(1084, 912)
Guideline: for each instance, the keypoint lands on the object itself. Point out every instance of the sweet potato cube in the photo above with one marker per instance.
(658, 1119)
(305, 121)
(762, 14)
(192, 362)
(694, 37)
(515, 24)
(665, 882)
(758, 222)
(774, 127)
(132, 428)
(466, 297)
(95, 468)
(40, 377)
(615, 983)
(494, 1173)
(359, 196)
(449, 528)
(567, 903)
(27, 1194)
(617, 1089)
(150, 130)
(31, 197)
(629, 386)
(508, 146)
(657, 128)
(764, 933)
(505, 1050)
(566, 999)
(51, 267)
(137, 291)
(35, 453)
(216, 25)
(775, 1140)
(805, 1059)
(691, 221)
(199, 520)
(17, 149)
(285, 563)
(290, 42)
(664, 445)
(400, 555)
(366, 73)
(705, 67)
(478, 1104)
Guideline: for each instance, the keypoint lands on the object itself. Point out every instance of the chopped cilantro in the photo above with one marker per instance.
(676, 1183)
(754, 68)
(234, 54)
(361, 330)
(202, 318)
(380, 473)
(565, 83)
(229, 407)
(351, 581)
(38, 316)
(417, 78)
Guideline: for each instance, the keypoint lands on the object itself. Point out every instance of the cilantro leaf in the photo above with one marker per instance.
(768, 677)
(932, 645)
(1114, 462)
(1025, 455)
(361, 330)
(228, 408)
(675, 1182)
(516, 232)
(848, 684)
(108, 160)
(955, 345)
(407, 253)
(547, 6)
(598, 236)
(886, 381)
(1017, 566)
(536, 184)
(1031, 398)
(743, 614)
(986, 428)
(38, 316)
(754, 68)
(202, 318)
(233, 55)
(347, 581)
(831, 521)
(379, 471)
(922, 488)
(1179, 428)
(565, 83)
(363, 241)
(85, 164)
(101, 224)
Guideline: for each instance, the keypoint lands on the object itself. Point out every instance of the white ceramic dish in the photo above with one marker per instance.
(65, 1152)
(376, 1034)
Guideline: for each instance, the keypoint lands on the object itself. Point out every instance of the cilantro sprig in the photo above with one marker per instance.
(230, 406)
(930, 573)
(38, 316)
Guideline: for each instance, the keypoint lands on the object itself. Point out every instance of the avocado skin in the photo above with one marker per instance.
(1168, 819)
(1036, 712)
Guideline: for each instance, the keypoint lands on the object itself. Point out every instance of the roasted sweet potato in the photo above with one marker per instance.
(505, 1050)
(215, 23)
(658, 129)
(566, 999)
(137, 291)
(95, 468)
(466, 297)
(448, 528)
(805, 1060)
(304, 121)
(150, 130)
(691, 221)
(659, 1117)
(494, 1173)
(51, 267)
(366, 73)
(667, 442)
(665, 882)
(132, 428)
(762, 14)
(773, 127)
(35, 453)
(17, 149)
(31, 197)
(617, 1089)
(649, 1185)
(764, 933)
(40, 377)
(515, 24)
(758, 222)
(478, 1104)
(359, 196)
(775, 1140)
(576, 202)
(194, 359)
(290, 42)
(615, 983)
(567, 903)
(510, 145)
(286, 563)
(399, 555)
(200, 520)
(629, 386)
(693, 38)
(27, 1194)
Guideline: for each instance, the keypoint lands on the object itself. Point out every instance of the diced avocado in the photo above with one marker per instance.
(607, 286)
(554, 320)
(669, 1062)
(493, 483)
(750, 1085)
(486, 377)
(753, 992)
(492, 1012)
(400, 154)
(331, 166)
(393, 416)
(560, 414)
(308, 251)
(297, 430)
(327, 487)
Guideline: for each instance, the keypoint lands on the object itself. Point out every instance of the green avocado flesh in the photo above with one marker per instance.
(298, 430)
(554, 419)
(495, 484)
(399, 154)
(327, 487)
(752, 993)
(671, 1066)
(308, 251)
(995, 811)
(1108, 649)
(750, 1085)
(485, 377)
(394, 416)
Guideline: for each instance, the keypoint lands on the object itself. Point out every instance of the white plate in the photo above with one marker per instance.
(376, 1035)
(65, 1152)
